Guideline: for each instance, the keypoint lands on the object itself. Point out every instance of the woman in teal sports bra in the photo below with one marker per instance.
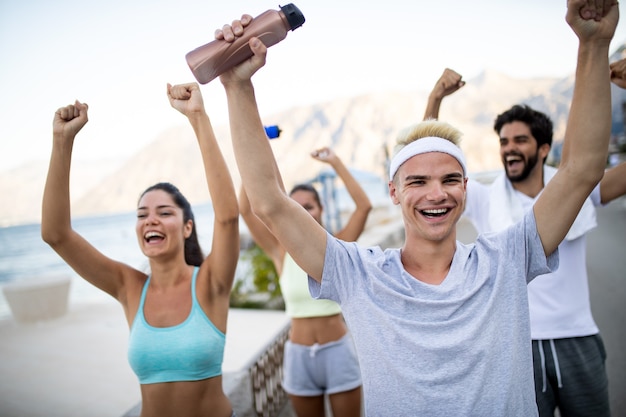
(319, 358)
(177, 313)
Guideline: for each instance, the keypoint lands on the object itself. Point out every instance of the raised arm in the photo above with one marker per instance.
(56, 228)
(586, 142)
(449, 82)
(618, 73)
(261, 235)
(613, 184)
(358, 218)
(187, 99)
(297, 231)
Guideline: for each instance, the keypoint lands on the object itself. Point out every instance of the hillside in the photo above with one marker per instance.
(360, 129)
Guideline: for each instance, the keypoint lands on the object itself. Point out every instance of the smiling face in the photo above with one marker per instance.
(160, 227)
(430, 189)
(519, 152)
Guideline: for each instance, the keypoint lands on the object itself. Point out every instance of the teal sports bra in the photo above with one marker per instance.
(190, 351)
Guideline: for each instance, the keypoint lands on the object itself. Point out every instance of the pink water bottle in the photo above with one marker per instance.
(208, 61)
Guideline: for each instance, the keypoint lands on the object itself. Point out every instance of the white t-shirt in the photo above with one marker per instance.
(559, 301)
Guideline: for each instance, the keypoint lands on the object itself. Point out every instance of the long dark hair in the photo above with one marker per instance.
(193, 252)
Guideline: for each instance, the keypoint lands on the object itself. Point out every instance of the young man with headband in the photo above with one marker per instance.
(441, 328)
(569, 357)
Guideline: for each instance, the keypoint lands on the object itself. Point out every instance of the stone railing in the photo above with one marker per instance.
(266, 375)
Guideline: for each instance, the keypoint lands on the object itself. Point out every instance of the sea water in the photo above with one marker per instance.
(24, 255)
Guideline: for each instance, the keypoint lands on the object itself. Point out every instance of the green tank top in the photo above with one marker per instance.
(294, 285)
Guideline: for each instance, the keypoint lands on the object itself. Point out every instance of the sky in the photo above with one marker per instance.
(118, 56)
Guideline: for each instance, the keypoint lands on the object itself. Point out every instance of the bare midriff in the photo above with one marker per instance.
(311, 330)
(203, 398)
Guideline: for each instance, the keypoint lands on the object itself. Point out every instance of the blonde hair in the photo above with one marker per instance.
(427, 128)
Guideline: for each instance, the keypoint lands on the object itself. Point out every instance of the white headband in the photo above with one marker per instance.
(425, 145)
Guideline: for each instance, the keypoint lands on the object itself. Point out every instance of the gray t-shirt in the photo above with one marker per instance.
(461, 348)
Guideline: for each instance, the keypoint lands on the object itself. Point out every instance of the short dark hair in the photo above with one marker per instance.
(193, 251)
(539, 123)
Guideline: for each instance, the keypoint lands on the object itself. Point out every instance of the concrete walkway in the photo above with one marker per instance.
(76, 366)
(72, 366)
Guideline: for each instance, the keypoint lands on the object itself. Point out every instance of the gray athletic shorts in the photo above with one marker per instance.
(570, 374)
(330, 368)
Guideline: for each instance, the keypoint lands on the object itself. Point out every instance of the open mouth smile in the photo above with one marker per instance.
(434, 212)
(513, 159)
(153, 237)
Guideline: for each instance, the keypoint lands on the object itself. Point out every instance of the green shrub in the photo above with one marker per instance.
(256, 284)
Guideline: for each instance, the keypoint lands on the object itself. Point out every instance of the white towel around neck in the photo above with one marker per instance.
(505, 209)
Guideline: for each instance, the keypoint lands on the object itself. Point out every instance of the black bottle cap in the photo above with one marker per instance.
(294, 16)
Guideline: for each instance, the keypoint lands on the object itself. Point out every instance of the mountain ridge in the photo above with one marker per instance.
(360, 129)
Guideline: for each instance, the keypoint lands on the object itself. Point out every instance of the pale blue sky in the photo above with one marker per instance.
(118, 55)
